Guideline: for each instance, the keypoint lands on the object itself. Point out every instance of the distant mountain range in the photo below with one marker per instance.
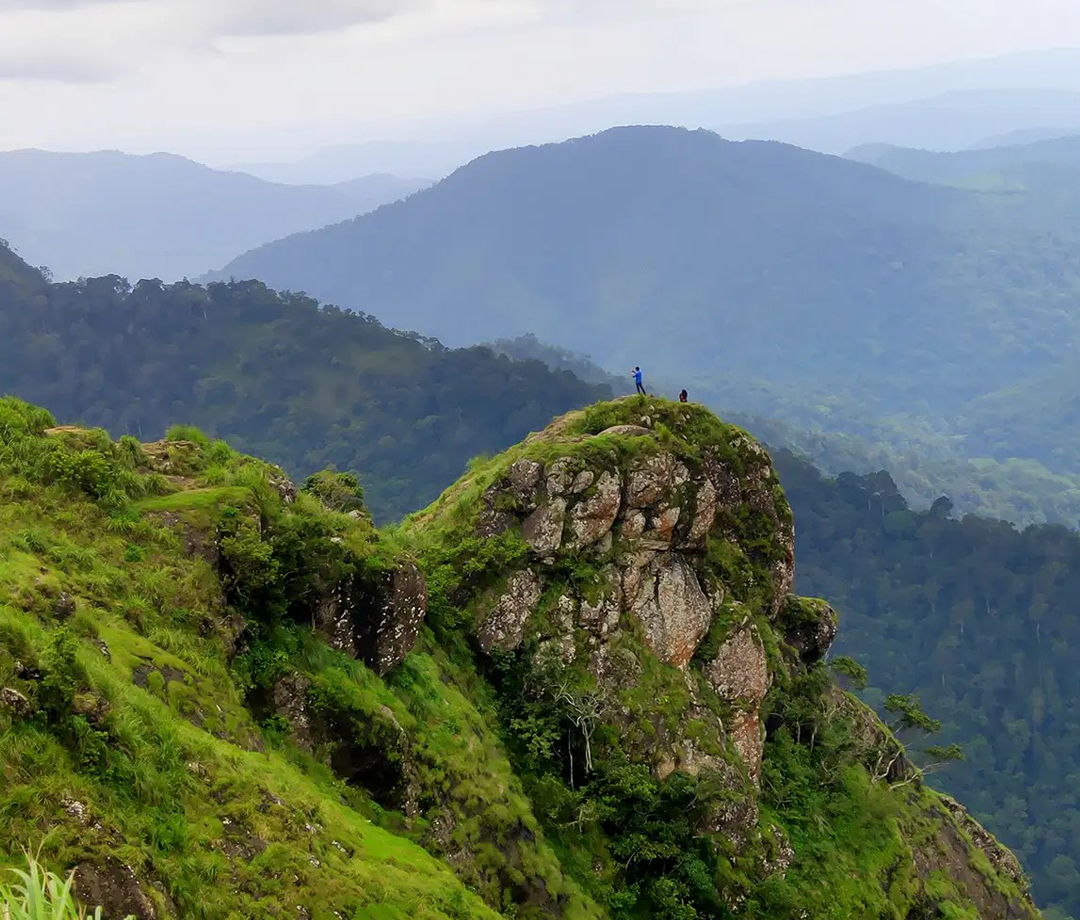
(669, 247)
(945, 106)
(933, 166)
(159, 216)
(948, 121)
(828, 294)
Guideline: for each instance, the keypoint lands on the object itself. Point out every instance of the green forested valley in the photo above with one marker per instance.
(982, 620)
(301, 386)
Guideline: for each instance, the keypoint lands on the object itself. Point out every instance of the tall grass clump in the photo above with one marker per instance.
(37, 894)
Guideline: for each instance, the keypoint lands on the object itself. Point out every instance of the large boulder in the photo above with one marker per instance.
(672, 609)
(809, 627)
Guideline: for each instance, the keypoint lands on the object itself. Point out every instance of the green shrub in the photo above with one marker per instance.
(338, 491)
(188, 433)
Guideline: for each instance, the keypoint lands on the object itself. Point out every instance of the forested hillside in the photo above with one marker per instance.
(160, 216)
(305, 387)
(983, 622)
(769, 280)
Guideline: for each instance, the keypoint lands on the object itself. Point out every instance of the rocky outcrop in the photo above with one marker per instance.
(809, 627)
(949, 854)
(642, 520)
(375, 618)
(367, 748)
(633, 601)
(740, 676)
(1000, 858)
(114, 887)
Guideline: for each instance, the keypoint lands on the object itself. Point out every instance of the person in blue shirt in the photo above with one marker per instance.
(638, 383)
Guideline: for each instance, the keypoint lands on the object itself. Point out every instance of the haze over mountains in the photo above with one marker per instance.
(947, 121)
(945, 106)
(159, 216)
(937, 166)
(806, 287)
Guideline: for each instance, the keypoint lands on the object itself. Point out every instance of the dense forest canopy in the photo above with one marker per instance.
(769, 280)
(304, 386)
(982, 621)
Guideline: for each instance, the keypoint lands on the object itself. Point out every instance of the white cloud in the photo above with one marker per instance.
(73, 41)
(151, 73)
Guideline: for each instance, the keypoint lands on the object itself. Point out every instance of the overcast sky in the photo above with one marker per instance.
(210, 77)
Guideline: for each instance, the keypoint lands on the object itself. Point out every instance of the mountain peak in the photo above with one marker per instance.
(630, 567)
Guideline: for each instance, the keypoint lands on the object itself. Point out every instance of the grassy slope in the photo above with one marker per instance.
(142, 744)
(174, 776)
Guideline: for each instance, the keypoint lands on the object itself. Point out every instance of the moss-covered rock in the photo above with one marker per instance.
(624, 578)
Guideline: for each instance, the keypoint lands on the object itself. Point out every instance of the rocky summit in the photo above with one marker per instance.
(576, 686)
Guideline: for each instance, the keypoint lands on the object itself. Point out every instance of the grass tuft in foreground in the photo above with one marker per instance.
(37, 894)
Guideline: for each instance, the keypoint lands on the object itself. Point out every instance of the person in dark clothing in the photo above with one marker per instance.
(683, 397)
(637, 381)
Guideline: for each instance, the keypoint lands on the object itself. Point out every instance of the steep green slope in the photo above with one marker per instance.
(303, 386)
(981, 620)
(219, 697)
(126, 749)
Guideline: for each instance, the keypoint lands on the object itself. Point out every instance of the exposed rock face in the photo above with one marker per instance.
(114, 887)
(400, 607)
(289, 699)
(503, 627)
(672, 609)
(740, 675)
(543, 529)
(375, 620)
(592, 518)
(1000, 858)
(739, 672)
(648, 601)
(950, 855)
